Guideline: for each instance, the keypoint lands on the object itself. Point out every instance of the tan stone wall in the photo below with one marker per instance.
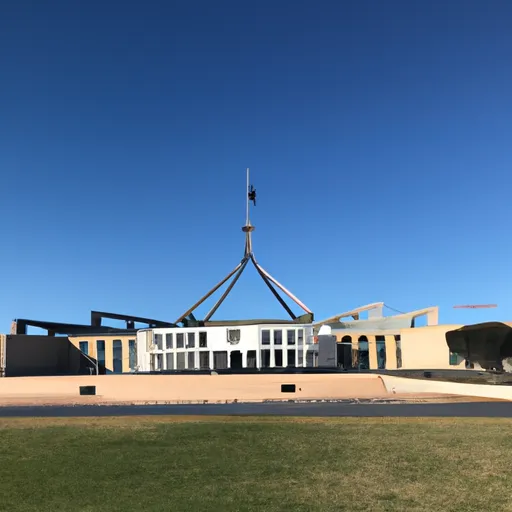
(195, 387)
(426, 348)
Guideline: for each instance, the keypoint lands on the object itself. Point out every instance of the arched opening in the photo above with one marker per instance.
(363, 353)
(344, 353)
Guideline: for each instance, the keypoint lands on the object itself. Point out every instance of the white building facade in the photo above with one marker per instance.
(226, 347)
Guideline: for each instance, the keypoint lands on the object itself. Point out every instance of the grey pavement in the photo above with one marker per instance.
(317, 409)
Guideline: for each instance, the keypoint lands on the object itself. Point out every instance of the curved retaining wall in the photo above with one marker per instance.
(403, 385)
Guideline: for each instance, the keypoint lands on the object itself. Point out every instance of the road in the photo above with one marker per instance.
(328, 409)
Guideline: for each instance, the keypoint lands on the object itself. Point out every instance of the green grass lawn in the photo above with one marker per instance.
(227, 464)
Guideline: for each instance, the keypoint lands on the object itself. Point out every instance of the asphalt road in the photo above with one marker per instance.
(329, 409)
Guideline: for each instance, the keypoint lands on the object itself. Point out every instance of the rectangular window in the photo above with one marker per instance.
(191, 340)
(251, 359)
(300, 358)
(220, 360)
(265, 358)
(159, 362)
(204, 359)
(152, 362)
(170, 360)
(132, 354)
(168, 340)
(180, 340)
(290, 336)
(398, 351)
(100, 352)
(191, 360)
(309, 359)
(265, 337)
(454, 358)
(291, 358)
(84, 347)
(117, 356)
(158, 341)
(278, 337)
(300, 336)
(180, 360)
(202, 339)
(278, 355)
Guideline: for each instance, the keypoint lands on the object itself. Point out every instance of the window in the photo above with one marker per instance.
(170, 360)
(202, 339)
(204, 358)
(265, 358)
(300, 336)
(454, 358)
(158, 341)
(251, 359)
(233, 336)
(220, 360)
(191, 360)
(291, 358)
(180, 360)
(180, 340)
(84, 347)
(398, 351)
(168, 340)
(132, 354)
(117, 356)
(278, 337)
(380, 345)
(265, 337)
(309, 359)
(159, 362)
(300, 358)
(191, 340)
(278, 355)
(100, 352)
(290, 336)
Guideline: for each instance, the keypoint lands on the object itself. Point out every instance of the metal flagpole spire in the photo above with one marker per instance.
(235, 274)
(248, 228)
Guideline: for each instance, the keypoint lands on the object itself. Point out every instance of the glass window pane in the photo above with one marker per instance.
(180, 340)
(290, 336)
(191, 360)
(158, 341)
(180, 360)
(168, 340)
(278, 357)
(84, 347)
(191, 340)
(100, 352)
(170, 360)
(202, 340)
(117, 356)
(300, 336)
(278, 337)
(204, 360)
(132, 354)
(265, 337)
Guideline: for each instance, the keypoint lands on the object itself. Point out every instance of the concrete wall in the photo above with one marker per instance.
(401, 385)
(172, 388)
(39, 355)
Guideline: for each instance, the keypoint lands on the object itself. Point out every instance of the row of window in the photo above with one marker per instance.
(188, 340)
(292, 335)
(158, 340)
(222, 359)
(117, 354)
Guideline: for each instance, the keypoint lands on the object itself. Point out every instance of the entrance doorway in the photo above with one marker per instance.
(236, 360)
(344, 353)
(363, 353)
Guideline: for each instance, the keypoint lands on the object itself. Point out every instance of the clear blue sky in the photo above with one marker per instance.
(378, 136)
